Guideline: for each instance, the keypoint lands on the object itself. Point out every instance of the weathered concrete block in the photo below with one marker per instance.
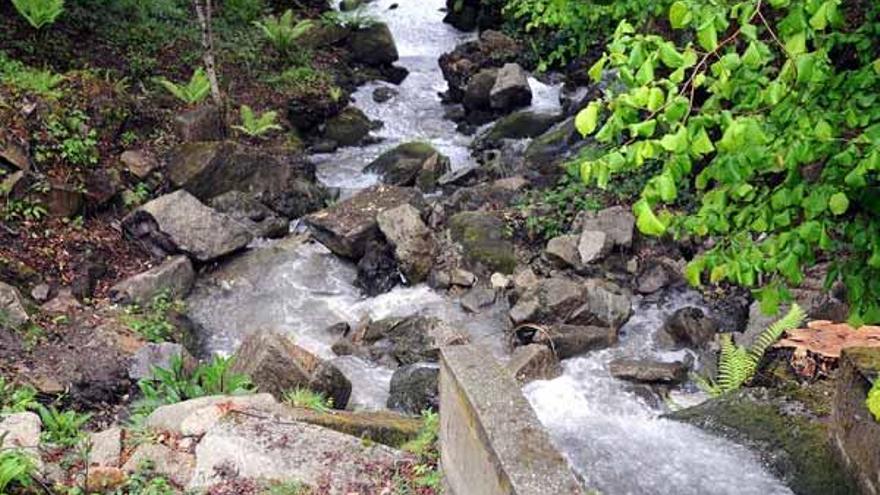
(856, 434)
(491, 440)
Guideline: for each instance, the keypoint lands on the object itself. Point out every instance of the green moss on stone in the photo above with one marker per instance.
(482, 237)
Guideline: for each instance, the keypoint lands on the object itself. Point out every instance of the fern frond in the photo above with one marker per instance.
(793, 319)
(256, 126)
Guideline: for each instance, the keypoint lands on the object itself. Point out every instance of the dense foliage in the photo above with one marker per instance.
(769, 111)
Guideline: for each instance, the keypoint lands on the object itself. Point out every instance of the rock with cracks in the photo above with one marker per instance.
(413, 243)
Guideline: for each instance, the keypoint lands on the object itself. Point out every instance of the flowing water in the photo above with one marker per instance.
(613, 438)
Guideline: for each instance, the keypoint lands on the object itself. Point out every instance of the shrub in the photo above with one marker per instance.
(255, 126)
(282, 32)
(39, 13)
(196, 90)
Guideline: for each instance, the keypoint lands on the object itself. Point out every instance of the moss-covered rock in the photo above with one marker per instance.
(348, 128)
(790, 438)
(519, 125)
(383, 427)
(482, 237)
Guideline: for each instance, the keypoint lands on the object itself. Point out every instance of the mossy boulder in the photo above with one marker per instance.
(383, 427)
(483, 239)
(519, 125)
(348, 128)
(411, 164)
(790, 438)
(373, 45)
(548, 151)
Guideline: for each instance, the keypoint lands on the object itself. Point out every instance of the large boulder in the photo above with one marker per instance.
(397, 341)
(194, 417)
(180, 223)
(518, 125)
(548, 301)
(256, 217)
(511, 89)
(606, 305)
(276, 365)
(385, 427)
(617, 223)
(478, 90)
(410, 164)
(492, 49)
(688, 327)
(348, 128)
(414, 388)
(174, 277)
(483, 239)
(568, 340)
(347, 227)
(20, 430)
(534, 362)
(373, 45)
(413, 243)
(209, 169)
(12, 311)
(204, 123)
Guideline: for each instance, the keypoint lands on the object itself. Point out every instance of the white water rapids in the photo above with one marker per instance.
(614, 439)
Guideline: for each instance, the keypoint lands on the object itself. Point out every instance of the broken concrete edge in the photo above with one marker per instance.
(491, 441)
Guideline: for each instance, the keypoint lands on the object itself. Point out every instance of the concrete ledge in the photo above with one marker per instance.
(491, 441)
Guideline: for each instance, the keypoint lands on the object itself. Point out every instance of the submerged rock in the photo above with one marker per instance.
(483, 240)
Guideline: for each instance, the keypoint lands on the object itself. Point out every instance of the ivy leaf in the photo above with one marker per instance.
(701, 144)
(838, 204)
(679, 15)
(796, 44)
(666, 187)
(643, 129)
(707, 36)
(655, 99)
(819, 21)
(645, 73)
(670, 56)
(587, 119)
(676, 109)
(676, 143)
(646, 220)
(595, 71)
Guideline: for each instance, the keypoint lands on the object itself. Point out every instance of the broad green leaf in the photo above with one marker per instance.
(707, 36)
(701, 144)
(595, 71)
(676, 143)
(643, 129)
(796, 44)
(819, 21)
(670, 56)
(645, 73)
(838, 204)
(587, 119)
(676, 109)
(647, 222)
(655, 99)
(679, 15)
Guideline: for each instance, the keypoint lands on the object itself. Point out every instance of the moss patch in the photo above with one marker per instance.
(482, 237)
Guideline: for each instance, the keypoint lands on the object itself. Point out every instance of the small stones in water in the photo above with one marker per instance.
(383, 94)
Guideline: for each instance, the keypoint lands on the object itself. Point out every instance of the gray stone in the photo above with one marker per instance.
(258, 218)
(606, 305)
(12, 312)
(654, 277)
(383, 94)
(646, 371)
(414, 388)
(401, 341)
(276, 365)
(105, 448)
(348, 128)
(518, 125)
(491, 441)
(374, 45)
(20, 430)
(856, 434)
(204, 123)
(563, 251)
(410, 164)
(174, 277)
(478, 90)
(178, 222)
(688, 327)
(477, 298)
(194, 417)
(534, 362)
(277, 448)
(617, 222)
(41, 292)
(348, 226)
(176, 466)
(546, 152)
(511, 89)
(484, 242)
(570, 340)
(140, 163)
(62, 303)
(157, 355)
(592, 246)
(414, 246)
(549, 300)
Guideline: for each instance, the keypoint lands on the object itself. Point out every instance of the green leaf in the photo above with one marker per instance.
(701, 144)
(679, 15)
(595, 71)
(655, 99)
(647, 222)
(676, 143)
(707, 36)
(645, 73)
(838, 204)
(796, 44)
(670, 56)
(643, 129)
(587, 119)
(819, 21)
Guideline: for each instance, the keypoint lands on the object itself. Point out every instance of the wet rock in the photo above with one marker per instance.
(20, 430)
(483, 240)
(158, 355)
(348, 226)
(384, 427)
(105, 448)
(563, 251)
(414, 246)
(688, 327)
(592, 246)
(348, 128)
(204, 123)
(276, 365)
(178, 222)
(606, 305)
(373, 45)
(518, 125)
(655, 276)
(258, 218)
(194, 417)
(616, 222)
(174, 277)
(856, 434)
(401, 341)
(285, 184)
(731, 310)
(645, 371)
(411, 164)
(491, 50)
(548, 300)
(477, 298)
(307, 454)
(546, 152)
(414, 388)
(568, 341)
(534, 362)
(377, 270)
(12, 308)
(383, 94)
(175, 466)
(139, 163)
(501, 192)
(478, 90)
(791, 439)
(511, 89)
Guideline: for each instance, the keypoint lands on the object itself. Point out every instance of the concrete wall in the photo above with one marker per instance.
(856, 434)
(491, 441)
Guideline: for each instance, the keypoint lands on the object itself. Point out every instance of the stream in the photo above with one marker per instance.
(615, 439)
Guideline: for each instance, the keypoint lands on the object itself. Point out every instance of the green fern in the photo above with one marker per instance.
(16, 469)
(737, 365)
(197, 89)
(39, 13)
(305, 398)
(281, 31)
(874, 400)
(257, 126)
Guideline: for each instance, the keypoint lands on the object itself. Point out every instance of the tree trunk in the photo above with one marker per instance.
(204, 13)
